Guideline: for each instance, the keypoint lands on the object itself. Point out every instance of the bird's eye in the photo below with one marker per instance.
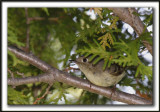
(85, 59)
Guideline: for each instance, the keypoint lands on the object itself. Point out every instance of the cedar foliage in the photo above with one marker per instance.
(53, 40)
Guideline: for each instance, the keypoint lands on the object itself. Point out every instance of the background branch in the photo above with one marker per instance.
(28, 30)
(40, 78)
(55, 74)
(126, 15)
(42, 18)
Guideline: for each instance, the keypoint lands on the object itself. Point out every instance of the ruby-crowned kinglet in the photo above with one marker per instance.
(96, 75)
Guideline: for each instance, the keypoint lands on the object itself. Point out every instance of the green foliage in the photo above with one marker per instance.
(98, 11)
(131, 55)
(16, 97)
(147, 37)
(59, 93)
(12, 36)
(88, 98)
(46, 11)
(144, 70)
(15, 60)
(124, 55)
(148, 20)
(53, 40)
(104, 39)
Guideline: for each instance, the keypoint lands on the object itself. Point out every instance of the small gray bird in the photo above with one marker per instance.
(96, 75)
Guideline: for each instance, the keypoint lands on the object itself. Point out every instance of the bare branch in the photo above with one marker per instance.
(21, 74)
(42, 18)
(28, 19)
(28, 30)
(30, 58)
(47, 91)
(76, 81)
(12, 75)
(40, 78)
(126, 15)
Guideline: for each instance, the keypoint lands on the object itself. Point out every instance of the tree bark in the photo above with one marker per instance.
(52, 74)
(126, 15)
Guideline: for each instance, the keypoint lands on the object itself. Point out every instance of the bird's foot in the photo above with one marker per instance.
(113, 90)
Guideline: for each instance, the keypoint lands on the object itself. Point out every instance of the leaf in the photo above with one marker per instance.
(98, 11)
(46, 11)
(16, 60)
(12, 36)
(105, 63)
(16, 97)
(135, 13)
(104, 40)
(95, 52)
(87, 54)
(97, 60)
(92, 57)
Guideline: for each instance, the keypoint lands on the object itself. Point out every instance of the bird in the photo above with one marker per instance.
(96, 75)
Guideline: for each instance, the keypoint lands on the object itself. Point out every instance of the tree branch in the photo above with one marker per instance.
(42, 18)
(55, 74)
(28, 30)
(126, 15)
(46, 77)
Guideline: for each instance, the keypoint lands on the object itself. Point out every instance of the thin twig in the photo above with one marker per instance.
(21, 74)
(12, 75)
(28, 30)
(47, 91)
(42, 18)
